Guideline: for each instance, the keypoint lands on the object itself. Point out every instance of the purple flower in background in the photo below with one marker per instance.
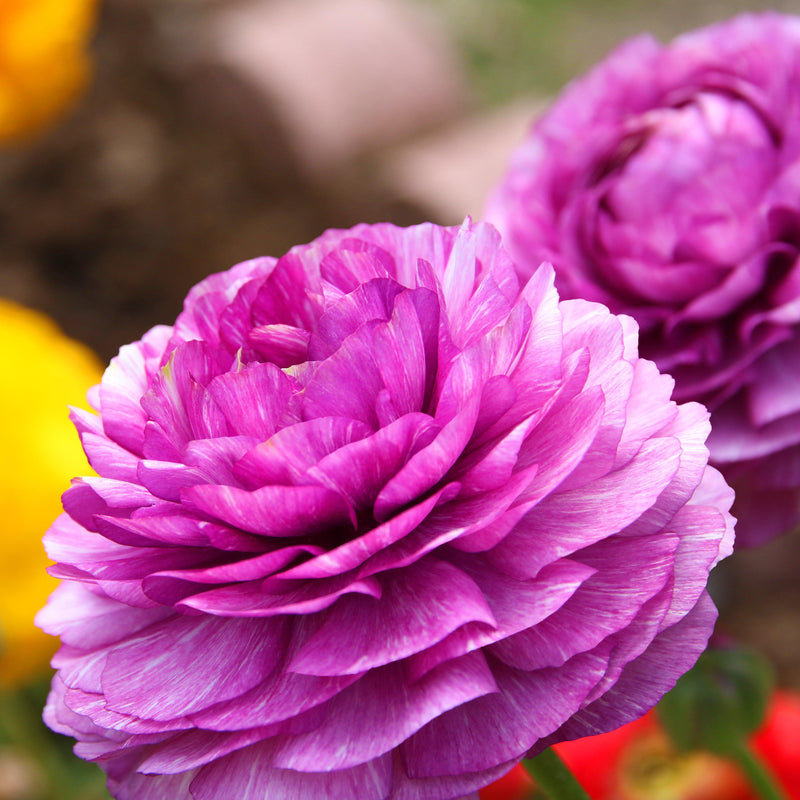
(372, 522)
(666, 184)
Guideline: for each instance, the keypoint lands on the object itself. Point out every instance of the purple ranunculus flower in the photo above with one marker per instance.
(666, 184)
(372, 522)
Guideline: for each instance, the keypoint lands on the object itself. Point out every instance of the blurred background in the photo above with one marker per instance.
(147, 143)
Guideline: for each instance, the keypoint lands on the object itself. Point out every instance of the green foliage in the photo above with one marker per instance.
(719, 702)
(39, 762)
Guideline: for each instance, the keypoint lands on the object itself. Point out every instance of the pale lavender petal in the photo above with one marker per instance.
(358, 716)
(355, 636)
(565, 522)
(124, 382)
(249, 774)
(232, 655)
(146, 787)
(563, 634)
(473, 736)
(282, 697)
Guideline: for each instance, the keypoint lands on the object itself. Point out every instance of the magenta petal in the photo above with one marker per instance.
(281, 697)
(169, 528)
(254, 599)
(287, 456)
(516, 606)
(206, 302)
(460, 786)
(358, 550)
(89, 496)
(561, 440)
(573, 519)
(192, 749)
(153, 787)
(564, 633)
(496, 353)
(775, 388)
(233, 776)
(253, 400)
(290, 294)
(372, 301)
(146, 731)
(282, 345)
(730, 441)
(108, 458)
(353, 364)
(429, 465)
(400, 352)
(237, 653)
(177, 400)
(491, 467)
(272, 510)
(645, 680)
(355, 636)
(88, 619)
(359, 714)
(354, 263)
(359, 470)
(245, 570)
(166, 479)
(215, 459)
(504, 734)
(124, 382)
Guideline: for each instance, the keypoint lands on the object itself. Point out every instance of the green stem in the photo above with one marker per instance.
(758, 773)
(554, 778)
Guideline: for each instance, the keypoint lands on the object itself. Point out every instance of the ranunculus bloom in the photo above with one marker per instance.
(42, 372)
(666, 184)
(371, 522)
(43, 61)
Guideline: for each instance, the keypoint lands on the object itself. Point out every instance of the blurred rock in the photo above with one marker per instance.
(339, 78)
(449, 174)
(20, 778)
(758, 595)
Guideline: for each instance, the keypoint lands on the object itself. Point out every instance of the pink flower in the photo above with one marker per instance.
(372, 523)
(666, 184)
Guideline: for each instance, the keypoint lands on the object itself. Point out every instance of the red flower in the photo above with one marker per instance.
(778, 740)
(636, 762)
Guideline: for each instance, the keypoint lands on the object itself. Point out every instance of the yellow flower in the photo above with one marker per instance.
(43, 61)
(42, 372)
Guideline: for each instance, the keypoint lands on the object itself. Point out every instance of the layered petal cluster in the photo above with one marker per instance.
(373, 522)
(666, 184)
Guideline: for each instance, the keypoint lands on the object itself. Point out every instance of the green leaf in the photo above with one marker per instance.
(719, 702)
